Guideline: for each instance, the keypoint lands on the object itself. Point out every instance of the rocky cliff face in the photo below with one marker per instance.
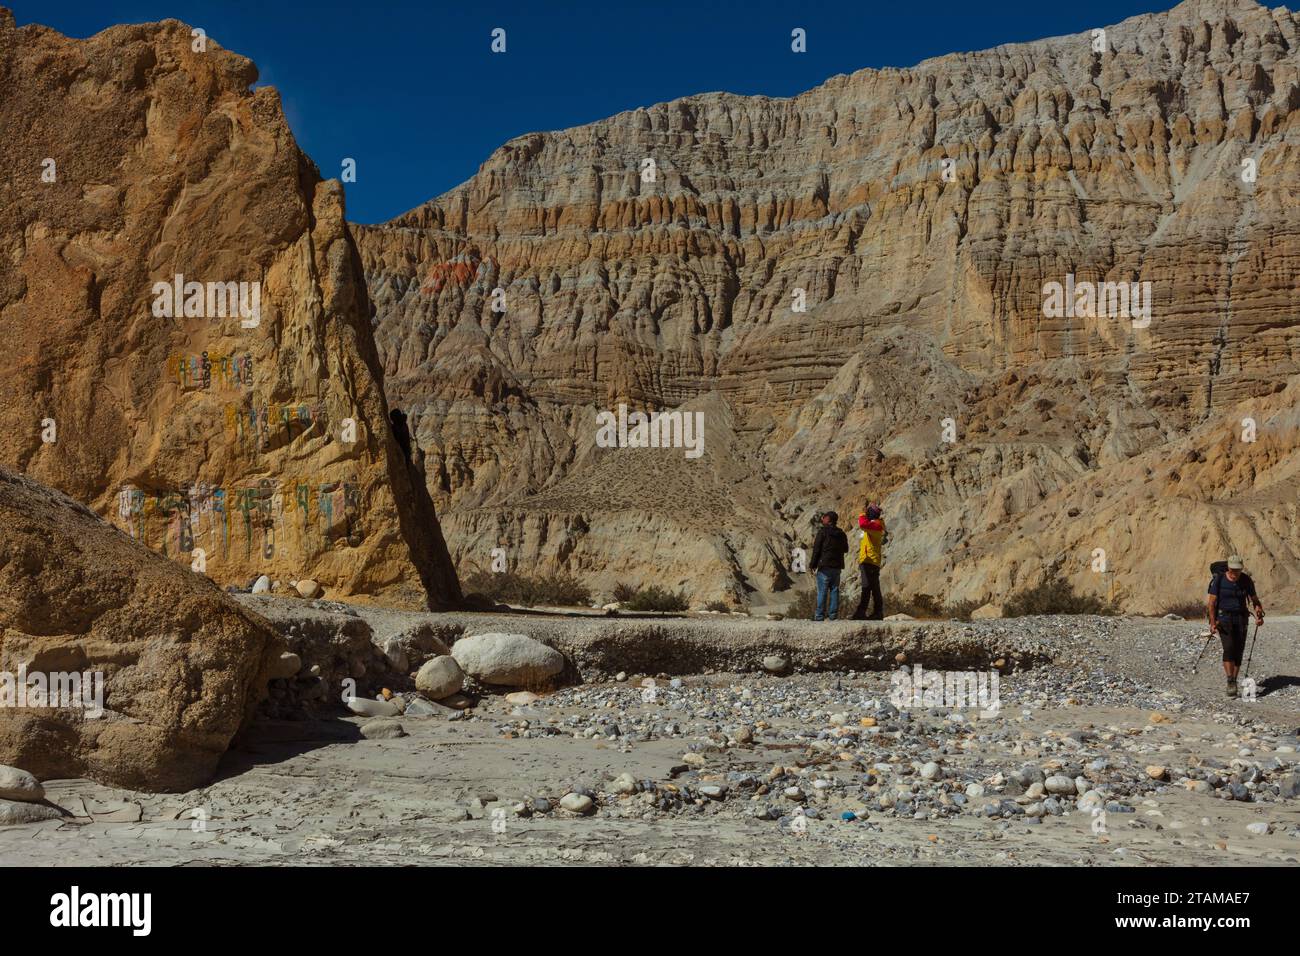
(659, 258)
(187, 339)
(115, 663)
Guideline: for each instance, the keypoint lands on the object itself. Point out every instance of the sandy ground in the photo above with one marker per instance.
(317, 793)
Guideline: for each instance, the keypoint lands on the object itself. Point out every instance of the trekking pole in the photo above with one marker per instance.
(1252, 648)
(1209, 637)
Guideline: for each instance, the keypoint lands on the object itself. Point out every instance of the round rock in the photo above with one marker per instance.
(309, 589)
(1060, 785)
(14, 812)
(577, 803)
(382, 728)
(372, 708)
(512, 660)
(287, 665)
(775, 664)
(19, 785)
(439, 678)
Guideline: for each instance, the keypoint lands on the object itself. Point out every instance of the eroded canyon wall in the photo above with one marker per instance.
(922, 212)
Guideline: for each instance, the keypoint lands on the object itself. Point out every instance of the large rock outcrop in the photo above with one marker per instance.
(246, 433)
(922, 213)
(182, 665)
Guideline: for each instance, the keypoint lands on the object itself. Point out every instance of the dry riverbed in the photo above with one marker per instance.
(1110, 754)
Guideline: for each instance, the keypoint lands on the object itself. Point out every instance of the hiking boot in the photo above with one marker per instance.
(1232, 687)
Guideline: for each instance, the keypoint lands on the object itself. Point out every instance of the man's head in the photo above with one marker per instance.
(830, 518)
(1235, 567)
(873, 512)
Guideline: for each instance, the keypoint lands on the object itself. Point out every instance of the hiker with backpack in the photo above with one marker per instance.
(829, 548)
(1228, 602)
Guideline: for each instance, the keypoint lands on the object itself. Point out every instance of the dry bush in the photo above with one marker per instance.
(655, 598)
(506, 587)
(1055, 596)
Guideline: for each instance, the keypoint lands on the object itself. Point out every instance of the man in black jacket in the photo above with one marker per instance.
(829, 548)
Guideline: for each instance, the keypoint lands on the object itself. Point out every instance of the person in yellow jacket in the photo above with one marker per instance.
(871, 555)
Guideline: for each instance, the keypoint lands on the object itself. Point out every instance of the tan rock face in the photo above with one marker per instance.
(243, 431)
(921, 214)
(182, 666)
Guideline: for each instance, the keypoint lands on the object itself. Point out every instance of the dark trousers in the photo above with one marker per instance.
(1232, 635)
(870, 576)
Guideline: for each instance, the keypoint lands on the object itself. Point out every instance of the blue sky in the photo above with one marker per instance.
(412, 91)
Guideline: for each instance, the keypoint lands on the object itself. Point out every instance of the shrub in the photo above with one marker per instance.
(922, 606)
(720, 606)
(510, 588)
(805, 604)
(655, 598)
(961, 610)
(1188, 610)
(805, 601)
(478, 585)
(927, 607)
(562, 589)
(918, 605)
(624, 593)
(802, 608)
(1055, 596)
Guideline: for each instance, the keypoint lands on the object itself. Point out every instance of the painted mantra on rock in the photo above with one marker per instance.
(289, 518)
(258, 424)
(201, 371)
